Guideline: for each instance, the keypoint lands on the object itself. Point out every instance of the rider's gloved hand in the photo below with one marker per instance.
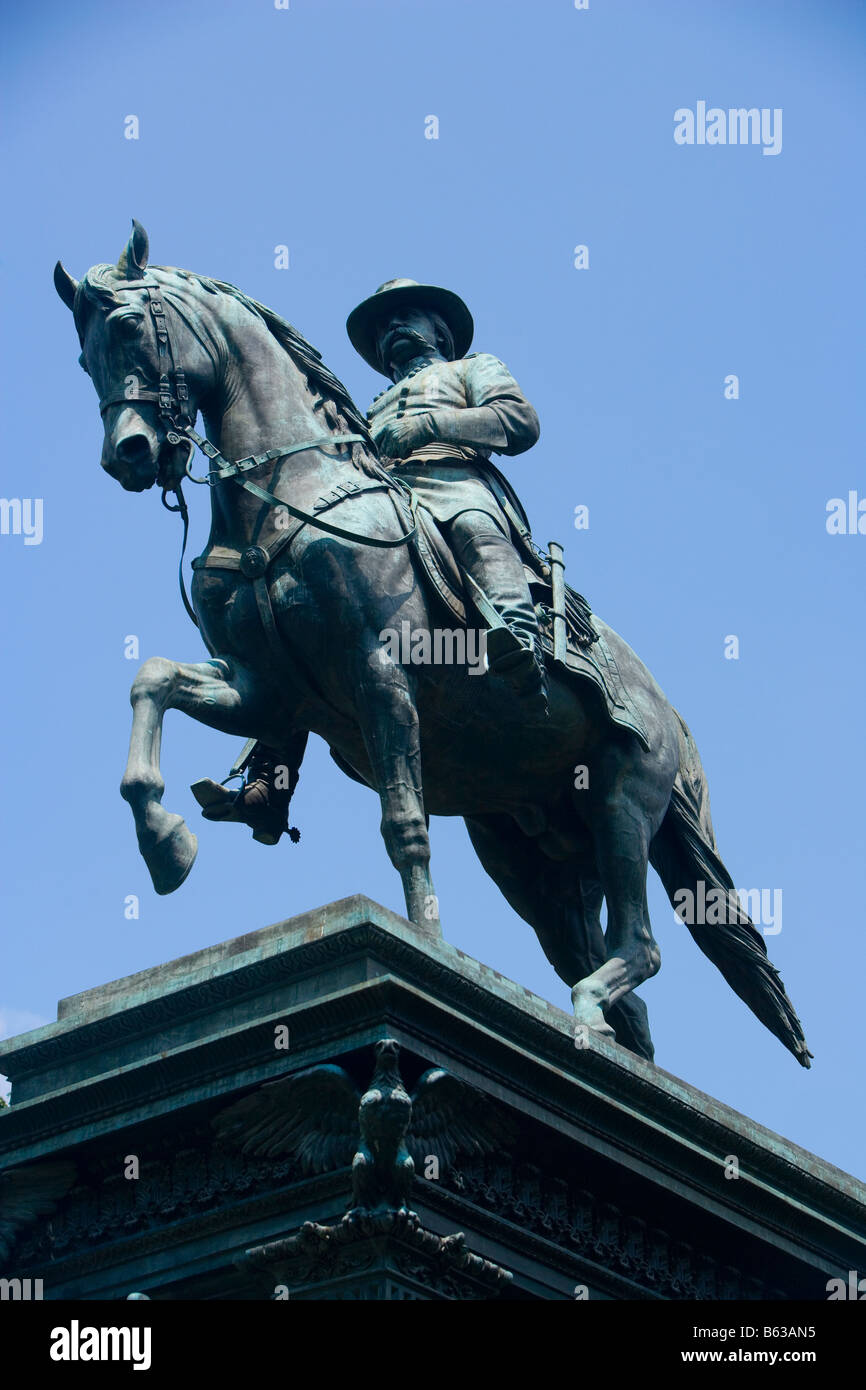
(477, 426)
(397, 438)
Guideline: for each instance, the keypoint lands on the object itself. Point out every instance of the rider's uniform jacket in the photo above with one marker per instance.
(481, 410)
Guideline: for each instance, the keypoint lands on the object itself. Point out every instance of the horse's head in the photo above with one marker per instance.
(142, 353)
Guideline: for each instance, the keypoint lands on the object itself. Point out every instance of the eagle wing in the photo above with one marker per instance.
(26, 1193)
(312, 1115)
(449, 1117)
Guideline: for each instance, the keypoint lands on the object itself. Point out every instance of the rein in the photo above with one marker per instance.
(172, 398)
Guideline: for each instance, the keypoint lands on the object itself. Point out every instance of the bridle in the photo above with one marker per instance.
(172, 401)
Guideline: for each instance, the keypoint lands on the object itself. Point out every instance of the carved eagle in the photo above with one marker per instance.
(321, 1118)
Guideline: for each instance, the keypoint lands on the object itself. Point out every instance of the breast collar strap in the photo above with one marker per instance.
(233, 471)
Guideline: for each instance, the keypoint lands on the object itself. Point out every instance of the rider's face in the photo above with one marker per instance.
(405, 334)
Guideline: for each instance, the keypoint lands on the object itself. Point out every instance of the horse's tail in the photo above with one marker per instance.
(685, 856)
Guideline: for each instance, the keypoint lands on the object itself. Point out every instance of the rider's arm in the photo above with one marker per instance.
(497, 415)
(474, 425)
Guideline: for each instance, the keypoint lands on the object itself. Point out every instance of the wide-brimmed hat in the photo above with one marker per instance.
(362, 322)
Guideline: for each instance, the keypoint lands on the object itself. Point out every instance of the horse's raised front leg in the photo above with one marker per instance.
(204, 690)
(389, 723)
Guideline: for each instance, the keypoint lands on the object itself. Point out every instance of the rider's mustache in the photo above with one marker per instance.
(402, 330)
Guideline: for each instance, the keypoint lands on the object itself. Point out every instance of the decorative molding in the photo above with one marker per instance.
(585, 1225)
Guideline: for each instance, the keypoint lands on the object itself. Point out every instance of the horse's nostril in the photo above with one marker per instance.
(134, 448)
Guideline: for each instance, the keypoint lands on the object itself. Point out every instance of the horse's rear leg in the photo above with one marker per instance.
(622, 832)
(204, 691)
(551, 895)
(562, 902)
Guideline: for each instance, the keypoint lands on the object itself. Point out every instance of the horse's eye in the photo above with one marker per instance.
(129, 326)
(83, 365)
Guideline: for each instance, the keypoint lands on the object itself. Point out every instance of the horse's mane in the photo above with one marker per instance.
(99, 287)
(307, 358)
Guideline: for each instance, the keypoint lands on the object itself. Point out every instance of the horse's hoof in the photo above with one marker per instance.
(584, 1034)
(589, 1018)
(172, 857)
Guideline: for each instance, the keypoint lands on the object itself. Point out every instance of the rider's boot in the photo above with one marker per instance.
(514, 651)
(518, 659)
(261, 803)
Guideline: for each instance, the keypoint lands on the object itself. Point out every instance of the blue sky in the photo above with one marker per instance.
(305, 127)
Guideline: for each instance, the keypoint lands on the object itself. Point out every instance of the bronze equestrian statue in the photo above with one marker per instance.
(316, 547)
(437, 431)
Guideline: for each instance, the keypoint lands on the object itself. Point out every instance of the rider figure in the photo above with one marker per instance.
(436, 426)
(439, 422)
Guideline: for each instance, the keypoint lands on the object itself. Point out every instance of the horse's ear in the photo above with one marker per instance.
(133, 257)
(65, 285)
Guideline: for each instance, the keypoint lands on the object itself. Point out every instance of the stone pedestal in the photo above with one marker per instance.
(615, 1185)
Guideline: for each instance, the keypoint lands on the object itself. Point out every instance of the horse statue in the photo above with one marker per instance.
(314, 551)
